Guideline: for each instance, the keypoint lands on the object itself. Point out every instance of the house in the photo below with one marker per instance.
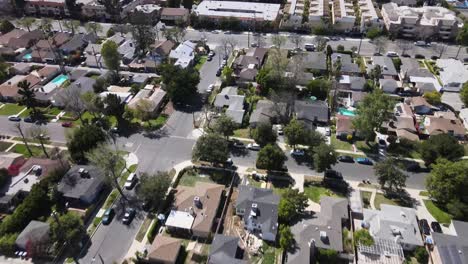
(436, 125)
(267, 111)
(312, 112)
(149, 99)
(122, 92)
(82, 86)
(403, 127)
(246, 66)
(26, 40)
(94, 9)
(323, 231)
(386, 65)
(451, 248)
(81, 185)
(12, 162)
(453, 74)
(21, 68)
(34, 239)
(127, 51)
(9, 89)
(315, 61)
(344, 126)
(420, 106)
(148, 13)
(422, 78)
(226, 249)
(347, 67)
(78, 42)
(14, 34)
(164, 250)
(394, 223)
(389, 86)
(229, 98)
(194, 209)
(296, 10)
(453, 101)
(184, 54)
(354, 83)
(259, 209)
(162, 48)
(173, 15)
(55, 8)
(77, 73)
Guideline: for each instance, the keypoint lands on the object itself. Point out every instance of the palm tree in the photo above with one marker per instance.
(72, 25)
(28, 97)
(94, 27)
(27, 22)
(46, 25)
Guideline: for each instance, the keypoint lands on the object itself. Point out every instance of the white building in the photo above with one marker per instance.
(453, 74)
(344, 17)
(294, 18)
(184, 54)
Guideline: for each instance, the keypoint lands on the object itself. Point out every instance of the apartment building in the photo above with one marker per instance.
(295, 17)
(93, 9)
(427, 22)
(344, 15)
(369, 16)
(46, 8)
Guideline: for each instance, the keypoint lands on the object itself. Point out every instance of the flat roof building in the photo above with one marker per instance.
(244, 11)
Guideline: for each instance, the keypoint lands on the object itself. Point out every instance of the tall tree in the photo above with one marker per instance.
(41, 134)
(84, 139)
(68, 229)
(464, 93)
(375, 74)
(286, 240)
(225, 126)
(319, 88)
(111, 162)
(94, 27)
(46, 26)
(271, 157)
(111, 56)
(187, 4)
(28, 96)
(181, 84)
(113, 8)
(72, 101)
(27, 22)
(292, 204)
(114, 106)
(295, 133)
(17, 128)
(440, 146)
(72, 25)
(144, 111)
(324, 156)
(264, 134)
(278, 40)
(144, 36)
(73, 8)
(390, 177)
(92, 103)
(175, 34)
(211, 148)
(297, 40)
(372, 112)
(153, 188)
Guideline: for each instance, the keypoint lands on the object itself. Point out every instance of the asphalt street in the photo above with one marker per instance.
(56, 132)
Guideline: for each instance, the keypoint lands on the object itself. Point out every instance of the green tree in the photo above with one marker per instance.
(153, 188)
(211, 148)
(373, 32)
(110, 32)
(434, 97)
(363, 237)
(375, 74)
(464, 93)
(327, 255)
(271, 157)
(278, 40)
(144, 36)
(264, 134)
(111, 163)
(372, 112)
(113, 8)
(286, 240)
(28, 96)
(100, 85)
(329, 50)
(421, 255)
(94, 27)
(143, 111)
(225, 126)
(7, 244)
(27, 22)
(6, 26)
(4, 177)
(295, 133)
(187, 4)
(390, 177)
(68, 228)
(115, 107)
(73, 8)
(46, 26)
(4, 70)
(440, 146)
(83, 139)
(292, 204)
(324, 156)
(228, 75)
(111, 56)
(181, 84)
(319, 88)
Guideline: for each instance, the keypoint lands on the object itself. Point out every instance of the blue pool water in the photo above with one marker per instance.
(27, 56)
(59, 79)
(346, 112)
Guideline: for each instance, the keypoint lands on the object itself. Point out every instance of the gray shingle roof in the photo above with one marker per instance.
(235, 103)
(34, 232)
(74, 186)
(452, 249)
(224, 249)
(266, 110)
(312, 111)
(385, 63)
(314, 60)
(388, 85)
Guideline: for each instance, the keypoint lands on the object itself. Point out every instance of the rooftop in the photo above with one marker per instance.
(240, 10)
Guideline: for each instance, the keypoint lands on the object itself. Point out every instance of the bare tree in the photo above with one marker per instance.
(72, 25)
(92, 103)
(278, 40)
(57, 154)
(297, 40)
(259, 40)
(39, 133)
(380, 44)
(439, 48)
(404, 45)
(229, 44)
(321, 43)
(144, 110)
(72, 101)
(17, 128)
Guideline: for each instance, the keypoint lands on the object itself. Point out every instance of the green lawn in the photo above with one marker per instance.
(11, 109)
(36, 150)
(4, 145)
(191, 177)
(366, 195)
(441, 216)
(143, 229)
(424, 193)
(158, 122)
(200, 63)
(242, 133)
(314, 192)
(254, 183)
(381, 199)
(362, 146)
(340, 144)
(269, 256)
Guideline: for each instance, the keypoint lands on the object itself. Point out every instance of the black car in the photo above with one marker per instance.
(128, 216)
(108, 215)
(413, 166)
(436, 227)
(424, 225)
(346, 159)
(218, 73)
(333, 174)
(28, 119)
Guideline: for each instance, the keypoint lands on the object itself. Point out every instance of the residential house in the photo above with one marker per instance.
(420, 106)
(347, 67)
(259, 209)
(162, 48)
(427, 22)
(25, 40)
(344, 127)
(312, 113)
(226, 249)
(453, 74)
(317, 10)
(246, 66)
(403, 124)
(343, 15)
(464, 117)
(451, 248)
(322, 231)
(56, 8)
(386, 65)
(149, 99)
(12, 162)
(453, 101)
(77, 43)
(148, 13)
(82, 86)
(194, 209)
(389, 86)
(422, 79)
(9, 89)
(93, 56)
(14, 34)
(267, 111)
(173, 15)
(35, 239)
(314, 61)
(353, 83)
(77, 73)
(164, 250)
(432, 125)
(21, 68)
(127, 51)
(184, 54)
(229, 98)
(81, 185)
(122, 92)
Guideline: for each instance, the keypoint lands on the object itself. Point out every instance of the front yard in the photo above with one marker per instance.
(11, 109)
(381, 199)
(36, 150)
(441, 216)
(191, 176)
(315, 192)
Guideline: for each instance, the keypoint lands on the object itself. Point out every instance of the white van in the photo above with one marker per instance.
(392, 54)
(309, 47)
(130, 182)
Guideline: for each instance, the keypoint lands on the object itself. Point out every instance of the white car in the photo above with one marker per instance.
(253, 146)
(422, 43)
(297, 152)
(392, 54)
(210, 88)
(279, 129)
(327, 131)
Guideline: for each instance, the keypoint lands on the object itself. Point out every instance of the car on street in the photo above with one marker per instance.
(128, 216)
(345, 158)
(413, 167)
(218, 73)
(28, 119)
(436, 227)
(297, 152)
(108, 216)
(211, 54)
(210, 88)
(238, 144)
(130, 182)
(253, 146)
(14, 118)
(392, 54)
(424, 226)
(333, 174)
(422, 43)
(309, 47)
(364, 161)
(209, 58)
(254, 45)
(377, 54)
(335, 38)
(67, 124)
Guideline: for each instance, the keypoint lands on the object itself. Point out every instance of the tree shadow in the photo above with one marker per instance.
(156, 134)
(239, 152)
(401, 197)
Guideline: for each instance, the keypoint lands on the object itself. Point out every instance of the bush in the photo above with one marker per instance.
(349, 138)
(110, 32)
(363, 237)
(153, 231)
(327, 255)
(340, 48)
(421, 255)
(7, 244)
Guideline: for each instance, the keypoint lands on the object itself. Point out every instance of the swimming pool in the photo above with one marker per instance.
(60, 79)
(27, 56)
(346, 112)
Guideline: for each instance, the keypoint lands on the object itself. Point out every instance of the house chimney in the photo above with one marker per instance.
(197, 202)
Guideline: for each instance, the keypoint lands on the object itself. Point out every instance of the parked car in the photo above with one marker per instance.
(364, 161)
(348, 159)
(436, 227)
(128, 216)
(422, 43)
(229, 162)
(211, 54)
(377, 54)
(67, 124)
(297, 152)
(210, 88)
(419, 56)
(405, 56)
(254, 45)
(14, 118)
(28, 119)
(333, 174)
(413, 166)
(309, 47)
(335, 38)
(218, 73)
(209, 58)
(253, 146)
(392, 54)
(108, 216)
(130, 182)
(424, 226)
(279, 129)
(238, 144)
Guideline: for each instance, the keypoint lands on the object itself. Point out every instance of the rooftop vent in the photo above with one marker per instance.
(197, 202)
